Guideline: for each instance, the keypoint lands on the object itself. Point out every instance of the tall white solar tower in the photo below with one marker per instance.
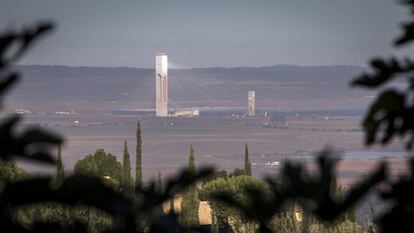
(251, 103)
(161, 85)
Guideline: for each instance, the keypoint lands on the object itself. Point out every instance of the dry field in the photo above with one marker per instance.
(165, 147)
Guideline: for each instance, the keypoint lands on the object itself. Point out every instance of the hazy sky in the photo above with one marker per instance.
(205, 33)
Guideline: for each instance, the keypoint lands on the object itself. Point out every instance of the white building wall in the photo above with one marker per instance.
(161, 84)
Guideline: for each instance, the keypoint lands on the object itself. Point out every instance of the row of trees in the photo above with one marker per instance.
(118, 176)
(99, 164)
(105, 165)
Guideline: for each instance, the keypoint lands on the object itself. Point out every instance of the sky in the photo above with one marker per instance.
(213, 33)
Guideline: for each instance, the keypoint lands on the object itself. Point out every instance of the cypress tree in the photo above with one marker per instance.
(138, 167)
(337, 193)
(191, 160)
(159, 189)
(172, 211)
(53, 210)
(60, 170)
(126, 168)
(247, 163)
(214, 227)
(190, 202)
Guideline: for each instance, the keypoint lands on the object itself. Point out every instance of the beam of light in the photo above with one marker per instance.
(187, 88)
(173, 65)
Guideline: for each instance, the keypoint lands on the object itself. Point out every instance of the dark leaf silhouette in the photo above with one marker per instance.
(392, 112)
(7, 82)
(23, 39)
(31, 144)
(401, 195)
(389, 116)
(408, 28)
(383, 72)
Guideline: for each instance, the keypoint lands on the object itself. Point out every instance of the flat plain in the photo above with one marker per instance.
(218, 142)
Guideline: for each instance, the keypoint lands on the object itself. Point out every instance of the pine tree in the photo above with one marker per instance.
(138, 168)
(247, 164)
(190, 202)
(126, 168)
(60, 170)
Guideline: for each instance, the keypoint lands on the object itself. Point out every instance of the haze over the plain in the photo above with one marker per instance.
(208, 33)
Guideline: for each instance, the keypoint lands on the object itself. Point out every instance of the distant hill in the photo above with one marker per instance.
(277, 82)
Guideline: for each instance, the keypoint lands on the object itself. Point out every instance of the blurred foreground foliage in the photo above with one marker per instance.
(82, 197)
(392, 113)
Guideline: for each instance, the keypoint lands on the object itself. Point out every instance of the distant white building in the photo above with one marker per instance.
(161, 85)
(251, 103)
(187, 113)
(22, 111)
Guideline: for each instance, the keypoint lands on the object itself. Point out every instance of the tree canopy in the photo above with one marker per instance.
(10, 171)
(100, 164)
(234, 186)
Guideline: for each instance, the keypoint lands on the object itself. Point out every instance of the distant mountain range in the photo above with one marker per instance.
(279, 82)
